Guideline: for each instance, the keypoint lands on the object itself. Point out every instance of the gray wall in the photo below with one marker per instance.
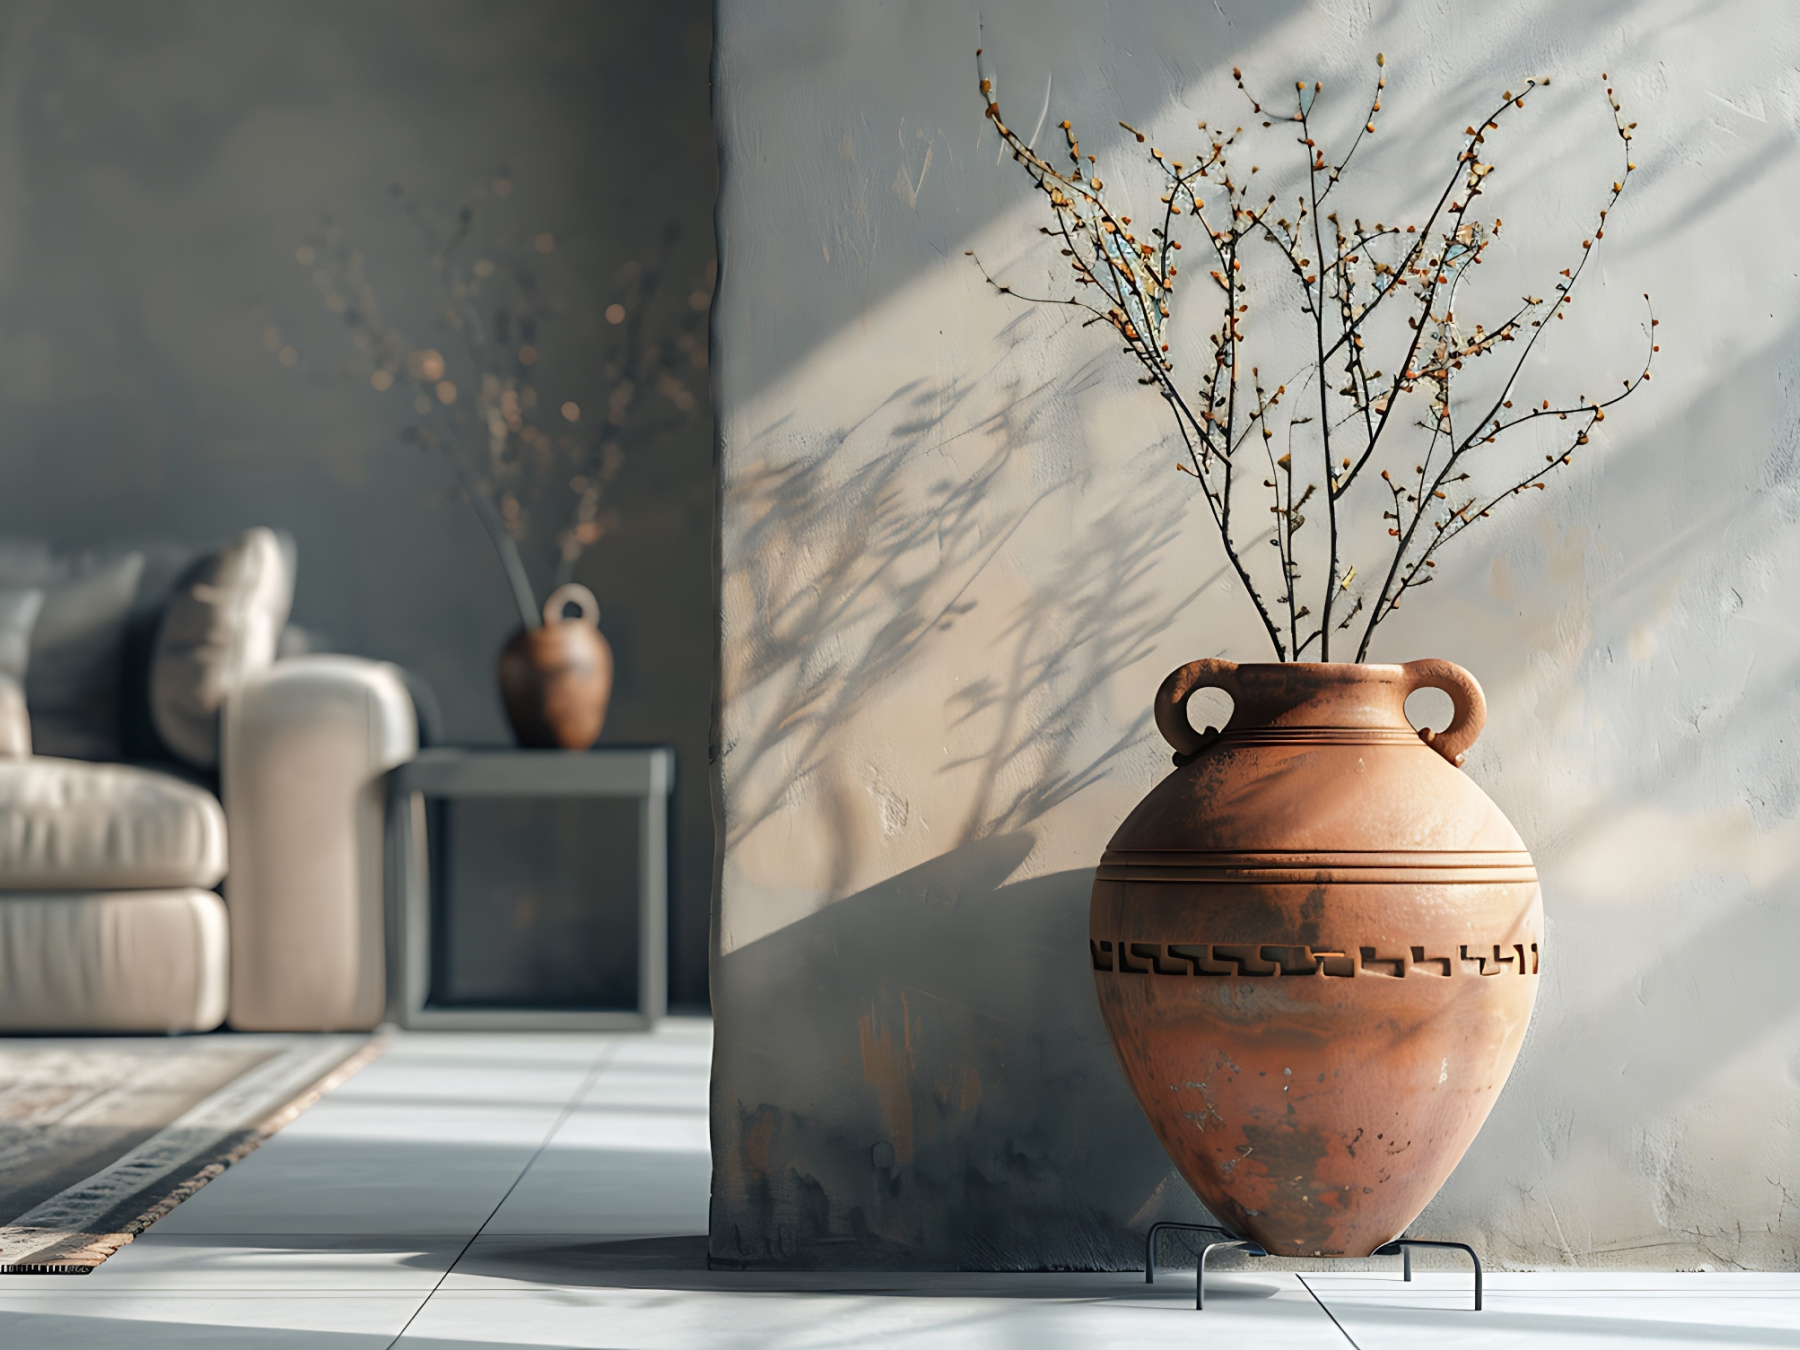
(160, 164)
(957, 563)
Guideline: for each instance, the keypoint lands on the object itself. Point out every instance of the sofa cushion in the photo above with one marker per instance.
(221, 627)
(70, 825)
(113, 961)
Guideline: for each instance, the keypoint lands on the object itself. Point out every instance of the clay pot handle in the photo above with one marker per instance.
(1470, 706)
(1172, 700)
(571, 593)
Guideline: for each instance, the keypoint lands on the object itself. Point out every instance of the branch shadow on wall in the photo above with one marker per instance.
(856, 562)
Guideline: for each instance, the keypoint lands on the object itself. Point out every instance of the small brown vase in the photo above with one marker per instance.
(1316, 946)
(555, 680)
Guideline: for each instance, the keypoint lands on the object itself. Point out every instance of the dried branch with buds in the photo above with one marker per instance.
(475, 396)
(1372, 338)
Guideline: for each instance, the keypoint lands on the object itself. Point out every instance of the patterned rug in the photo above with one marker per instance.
(100, 1138)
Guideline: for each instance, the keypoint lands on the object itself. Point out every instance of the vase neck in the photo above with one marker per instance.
(1319, 694)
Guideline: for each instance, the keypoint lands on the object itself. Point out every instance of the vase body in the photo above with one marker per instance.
(555, 680)
(1316, 946)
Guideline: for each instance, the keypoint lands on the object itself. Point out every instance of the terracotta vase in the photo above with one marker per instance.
(556, 680)
(1316, 946)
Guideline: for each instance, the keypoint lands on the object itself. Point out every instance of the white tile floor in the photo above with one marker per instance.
(477, 1192)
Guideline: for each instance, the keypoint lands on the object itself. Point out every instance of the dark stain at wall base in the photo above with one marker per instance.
(925, 1073)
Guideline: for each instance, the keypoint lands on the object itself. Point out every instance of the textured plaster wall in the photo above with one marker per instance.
(956, 562)
(159, 165)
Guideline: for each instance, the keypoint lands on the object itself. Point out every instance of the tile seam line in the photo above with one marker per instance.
(582, 1089)
(1322, 1308)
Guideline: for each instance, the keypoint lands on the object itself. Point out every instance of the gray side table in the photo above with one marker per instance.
(646, 774)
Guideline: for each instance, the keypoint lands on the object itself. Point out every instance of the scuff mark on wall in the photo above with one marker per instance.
(889, 1073)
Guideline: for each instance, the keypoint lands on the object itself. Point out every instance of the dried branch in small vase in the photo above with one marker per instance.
(517, 452)
(1374, 343)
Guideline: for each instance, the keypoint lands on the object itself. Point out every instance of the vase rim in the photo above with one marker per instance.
(1322, 672)
(1320, 665)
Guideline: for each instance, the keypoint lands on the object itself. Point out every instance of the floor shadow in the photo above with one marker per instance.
(681, 1263)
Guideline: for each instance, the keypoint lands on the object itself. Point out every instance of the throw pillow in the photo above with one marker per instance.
(220, 628)
(77, 652)
(18, 612)
(165, 564)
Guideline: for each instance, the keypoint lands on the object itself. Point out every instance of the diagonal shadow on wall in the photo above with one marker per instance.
(927, 1082)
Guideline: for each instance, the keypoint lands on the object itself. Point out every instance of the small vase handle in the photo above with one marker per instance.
(1466, 699)
(571, 593)
(1172, 700)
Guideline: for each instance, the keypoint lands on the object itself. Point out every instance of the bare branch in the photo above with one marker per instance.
(1381, 301)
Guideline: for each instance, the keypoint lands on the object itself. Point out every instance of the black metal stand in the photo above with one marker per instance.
(1227, 1238)
(1398, 1247)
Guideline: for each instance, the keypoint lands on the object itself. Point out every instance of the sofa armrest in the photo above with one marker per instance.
(306, 745)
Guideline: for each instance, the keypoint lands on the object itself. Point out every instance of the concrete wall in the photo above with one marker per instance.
(957, 562)
(159, 167)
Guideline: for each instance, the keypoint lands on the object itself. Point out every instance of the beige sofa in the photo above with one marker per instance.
(109, 920)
